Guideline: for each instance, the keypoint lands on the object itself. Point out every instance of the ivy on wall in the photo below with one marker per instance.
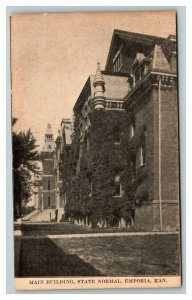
(89, 184)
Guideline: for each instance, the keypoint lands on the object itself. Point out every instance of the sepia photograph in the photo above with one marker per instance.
(95, 143)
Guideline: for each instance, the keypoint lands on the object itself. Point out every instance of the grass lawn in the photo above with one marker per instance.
(42, 229)
(99, 256)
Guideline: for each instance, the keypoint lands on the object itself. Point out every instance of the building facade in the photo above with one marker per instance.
(48, 178)
(62, 141)
(122, 167)
(49, 194)
(38, 195)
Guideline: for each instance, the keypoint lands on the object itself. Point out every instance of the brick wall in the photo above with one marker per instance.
(169, 149)
(144, 116)
(147, 216)
(169, 145)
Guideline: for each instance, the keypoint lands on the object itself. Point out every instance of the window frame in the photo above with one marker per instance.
(142, 158)
(118, 182)
(117, 62)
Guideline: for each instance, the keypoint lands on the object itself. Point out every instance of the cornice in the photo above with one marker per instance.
(147, 83)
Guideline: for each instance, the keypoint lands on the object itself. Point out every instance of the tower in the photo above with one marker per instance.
(99, 85)
(49, 140)
(48, 177)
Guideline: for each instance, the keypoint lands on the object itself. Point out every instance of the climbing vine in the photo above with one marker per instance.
(89, 183)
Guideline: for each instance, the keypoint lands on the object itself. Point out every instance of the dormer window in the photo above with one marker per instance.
(137, 74)
(140, 67)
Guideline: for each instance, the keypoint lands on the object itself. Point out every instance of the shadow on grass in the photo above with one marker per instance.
(41, 257)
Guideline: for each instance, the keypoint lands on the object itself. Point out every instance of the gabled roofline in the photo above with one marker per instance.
(132, 36)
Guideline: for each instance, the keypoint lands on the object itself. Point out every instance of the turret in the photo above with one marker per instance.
(99, 85)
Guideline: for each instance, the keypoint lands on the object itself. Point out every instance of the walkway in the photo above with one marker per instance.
(90, 235)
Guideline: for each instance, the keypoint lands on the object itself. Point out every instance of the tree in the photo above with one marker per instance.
(25, 158)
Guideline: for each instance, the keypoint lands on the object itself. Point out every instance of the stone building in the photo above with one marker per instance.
(49, 197)
(62, 141)
(38, 195)
(48, 178)
(124, 162)
(53, 201)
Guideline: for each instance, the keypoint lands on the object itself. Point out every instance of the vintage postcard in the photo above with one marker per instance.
(95, 150)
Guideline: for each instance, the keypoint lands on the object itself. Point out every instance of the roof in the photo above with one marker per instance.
(160, 62)
(132, 38)
(116, 87)
(49, 129)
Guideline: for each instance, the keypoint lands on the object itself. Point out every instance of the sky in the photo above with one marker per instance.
(52, 56)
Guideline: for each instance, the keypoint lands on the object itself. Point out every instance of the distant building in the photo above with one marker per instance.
(123, 163)
(53, 198)
(38, 192)
(63, 140)
(47, 155)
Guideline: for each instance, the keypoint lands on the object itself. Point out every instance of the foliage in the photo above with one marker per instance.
(111, 152)
(25, 157)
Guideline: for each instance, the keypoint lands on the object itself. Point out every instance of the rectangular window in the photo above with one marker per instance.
(65, 198)
(48, 185)
(117, 138)
(117, 63)
(91, 188)
(118, 188)
(141, 156)
(133, 167)
(88, 144)
(131, 130)
(49, 201)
